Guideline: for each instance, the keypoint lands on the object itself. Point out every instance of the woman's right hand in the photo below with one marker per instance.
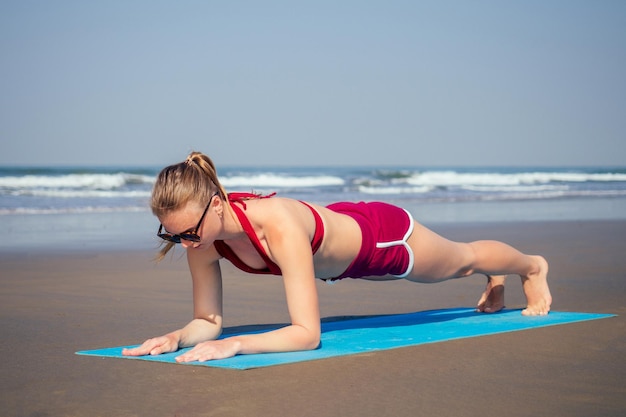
(154, 346)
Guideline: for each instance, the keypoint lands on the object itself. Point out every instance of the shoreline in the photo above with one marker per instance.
(55, 303)
(133, 230)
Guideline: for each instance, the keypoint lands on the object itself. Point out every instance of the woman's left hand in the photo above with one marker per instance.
(209, 350)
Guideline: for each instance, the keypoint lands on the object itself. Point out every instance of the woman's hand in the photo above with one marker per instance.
(212, 349)
(154, 346)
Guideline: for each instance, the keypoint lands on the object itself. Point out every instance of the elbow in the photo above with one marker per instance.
(313, 341)
(303, 338)
(212, 326)
(313, 345)
(212, 320)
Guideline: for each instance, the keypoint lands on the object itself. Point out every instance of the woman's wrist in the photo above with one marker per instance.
(175, 337)
(237, 344)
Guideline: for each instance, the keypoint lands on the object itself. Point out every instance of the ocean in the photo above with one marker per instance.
(76, 208)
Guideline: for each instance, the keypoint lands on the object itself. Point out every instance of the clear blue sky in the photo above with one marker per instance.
(536, 82)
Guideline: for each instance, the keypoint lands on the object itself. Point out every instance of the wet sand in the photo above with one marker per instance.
(53, 304)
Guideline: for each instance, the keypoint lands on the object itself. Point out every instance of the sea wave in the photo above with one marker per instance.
(514, 188)
(281, 181)
(80, 190)
(72, 210)
(74, 193)
(427, 194)
(386, 190)
(454, 178)
(89, 181)
(428, 178)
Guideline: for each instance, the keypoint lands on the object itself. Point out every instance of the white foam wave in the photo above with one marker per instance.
(554, 195)
(65, 193)
(90, 181)
(393, 190)
(453, 178)
(70, 210)
(514, 188)
(274, 180)
(496, 193)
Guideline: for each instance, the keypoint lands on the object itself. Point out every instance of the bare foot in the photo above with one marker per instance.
(492, 300)
(536, 290)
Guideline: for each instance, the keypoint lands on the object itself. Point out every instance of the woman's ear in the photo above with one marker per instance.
(219, 206)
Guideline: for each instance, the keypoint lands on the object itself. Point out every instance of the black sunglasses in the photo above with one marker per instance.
(191, 236)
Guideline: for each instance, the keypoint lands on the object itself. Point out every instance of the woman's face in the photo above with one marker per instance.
(188, 223)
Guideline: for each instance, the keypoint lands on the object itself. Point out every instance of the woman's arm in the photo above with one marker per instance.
(288, 244)
(207, 299)
(292, 252)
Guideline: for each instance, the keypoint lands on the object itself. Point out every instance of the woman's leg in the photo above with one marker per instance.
(439, 259)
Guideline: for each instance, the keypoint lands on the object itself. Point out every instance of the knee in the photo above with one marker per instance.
(464, 272)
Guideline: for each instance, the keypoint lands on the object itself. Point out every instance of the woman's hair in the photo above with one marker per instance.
(195, 179)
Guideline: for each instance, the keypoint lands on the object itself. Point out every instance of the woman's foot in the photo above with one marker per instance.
(492, 300)
(536, 290)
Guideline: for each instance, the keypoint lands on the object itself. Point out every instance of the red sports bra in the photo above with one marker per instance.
(236, 199)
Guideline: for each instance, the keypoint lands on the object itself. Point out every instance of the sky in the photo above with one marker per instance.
(352, 82)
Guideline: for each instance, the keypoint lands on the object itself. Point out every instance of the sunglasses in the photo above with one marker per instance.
(192, 235)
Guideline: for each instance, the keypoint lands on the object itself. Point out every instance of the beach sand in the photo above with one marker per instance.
(55, 304)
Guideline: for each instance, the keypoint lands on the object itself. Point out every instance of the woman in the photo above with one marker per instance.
(302, 242)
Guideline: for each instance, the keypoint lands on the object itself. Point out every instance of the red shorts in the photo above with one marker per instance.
(384, 249)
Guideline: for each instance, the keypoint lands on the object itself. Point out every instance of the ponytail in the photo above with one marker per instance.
(207, 166)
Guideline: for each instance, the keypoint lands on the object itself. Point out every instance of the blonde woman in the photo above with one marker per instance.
(302, 242)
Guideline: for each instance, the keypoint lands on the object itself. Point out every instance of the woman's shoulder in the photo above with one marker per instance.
(278, 206)
(279, 213)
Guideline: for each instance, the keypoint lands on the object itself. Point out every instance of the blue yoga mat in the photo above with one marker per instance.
(359, 335)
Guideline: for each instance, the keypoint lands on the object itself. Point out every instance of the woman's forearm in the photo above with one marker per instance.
(286, 339)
